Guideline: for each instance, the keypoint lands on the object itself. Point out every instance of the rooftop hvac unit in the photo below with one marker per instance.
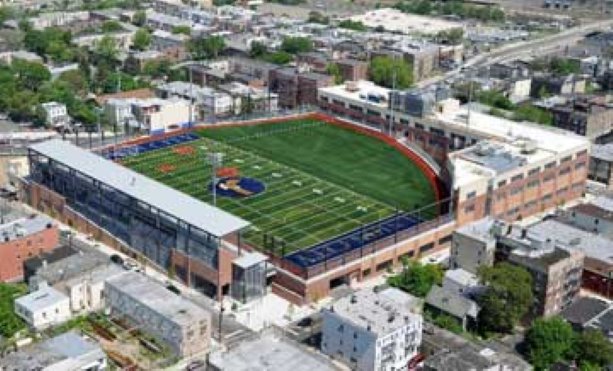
(528, 147)
(352, 86)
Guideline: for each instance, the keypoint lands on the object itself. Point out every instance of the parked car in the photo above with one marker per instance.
(117, 259)
(173, 288)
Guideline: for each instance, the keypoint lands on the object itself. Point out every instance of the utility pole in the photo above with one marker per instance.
(191, 98)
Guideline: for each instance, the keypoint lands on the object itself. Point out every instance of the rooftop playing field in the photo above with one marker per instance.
(320, 180)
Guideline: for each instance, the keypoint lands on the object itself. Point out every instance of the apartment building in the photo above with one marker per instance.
(601, 164)
(151, 115)
(372, 330)
(556, 270)
(473, 245)
(297, 88)
(24, 238)
(184, 326)
(207, 101)
(589, 116)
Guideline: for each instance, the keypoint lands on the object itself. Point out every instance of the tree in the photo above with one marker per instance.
(257, 50)
(495, 99)
(76, 81)
(528, 112)
(111, 26)
(593, 348)
(453, 36)
(207, 47)
(141, 39)
(352, 25)
(185, 30)
(31, 75)
(296, 44)
(507, 297)
(384, 70)
(548, 341)
(106, 51)
(416, 278)
(278, 58)
(140, 18)
(334, 70)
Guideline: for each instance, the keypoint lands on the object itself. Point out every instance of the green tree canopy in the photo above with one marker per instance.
(207, 47)
(297, 44)
(383, 69)
(507, 297)
(140, 18)
(454, 36)
(111, 26)
(52, 42)
(593, 348)
(334, 70)
(416, 278)
(185, 30)
(31, 75)
(352, 25)
(106, 51)
(257, 49)
(548, 341)
(278, 57)
(141, 39)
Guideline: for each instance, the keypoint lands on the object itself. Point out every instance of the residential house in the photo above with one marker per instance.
(43, 308)
(371, 330)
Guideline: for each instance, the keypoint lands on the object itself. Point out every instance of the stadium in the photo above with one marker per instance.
(311, 192)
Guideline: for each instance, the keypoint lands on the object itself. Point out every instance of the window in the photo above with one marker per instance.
(534, 171)
(502, 183)
(548, 178)
(550, 165)
(469, 209)
(419, 126)
(426, 247)
(366, 272)
(533, 183)
(444, 240)
(565, 171)
(517, 177)
(516, 190)
(565, 159)
(580, 165)
(472, 194)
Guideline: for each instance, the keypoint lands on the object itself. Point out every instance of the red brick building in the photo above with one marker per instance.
(22, 239)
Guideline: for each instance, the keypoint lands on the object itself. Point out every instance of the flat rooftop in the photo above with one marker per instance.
(360, 91)
(70, 348)
(190, 210)
(397, 21)
(480, 230)
(603, 151)
(382, 313)
(24, 227)
(41, 299)
(157, 298)
(593, 245)
(545, 138)
(269, 353)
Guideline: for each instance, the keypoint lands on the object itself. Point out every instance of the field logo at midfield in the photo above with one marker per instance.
(231, 184)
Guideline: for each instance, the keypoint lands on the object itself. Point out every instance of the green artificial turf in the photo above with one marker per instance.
(321, 180)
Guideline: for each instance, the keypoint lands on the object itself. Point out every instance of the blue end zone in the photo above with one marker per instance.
(137, 149)
(352, 240)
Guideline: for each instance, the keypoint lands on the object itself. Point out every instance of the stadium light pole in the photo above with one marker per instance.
(215, 159)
